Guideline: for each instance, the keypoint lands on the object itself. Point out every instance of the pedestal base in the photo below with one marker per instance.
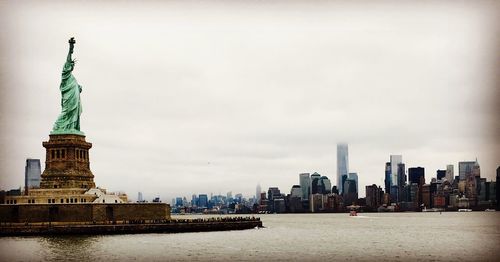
(67, 163)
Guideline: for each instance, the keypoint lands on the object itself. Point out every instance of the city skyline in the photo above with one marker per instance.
(204, 102)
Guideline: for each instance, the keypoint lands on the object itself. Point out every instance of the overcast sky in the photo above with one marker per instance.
(187, 97)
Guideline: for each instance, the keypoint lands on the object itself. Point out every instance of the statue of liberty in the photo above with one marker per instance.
(68, 121)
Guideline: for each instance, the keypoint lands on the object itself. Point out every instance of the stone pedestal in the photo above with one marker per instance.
(67, 163)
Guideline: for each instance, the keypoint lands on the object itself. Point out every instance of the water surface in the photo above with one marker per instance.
(472, 236)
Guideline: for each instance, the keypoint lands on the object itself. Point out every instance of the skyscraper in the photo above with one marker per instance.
(465, 169)
(497, 190)
(305, 185)
(449, 173)
(350, 195)
(140, 199)
(395, 161)
(354, 176)
(203, 201)
(440, 174)
(258, 190)
(388, 178)
(296, 191)
(326, 185)
(342, 164)
(32, 173)
(416, 175)
(315, 177)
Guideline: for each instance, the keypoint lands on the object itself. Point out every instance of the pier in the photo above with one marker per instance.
(131, 227)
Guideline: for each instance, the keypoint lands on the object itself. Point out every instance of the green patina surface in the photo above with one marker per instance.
(68, 121)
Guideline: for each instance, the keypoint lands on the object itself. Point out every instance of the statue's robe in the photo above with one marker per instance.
(69, 119)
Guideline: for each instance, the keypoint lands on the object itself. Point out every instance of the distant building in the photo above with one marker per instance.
(326, 185)
(354, 176)
(426, 195)
(155, 200)
(388, 178)
(469, 174)
(395, 161)
(203, 201)
(194, 200)
(295, 200)
(335, 190)
(350, 195)
(401, 174)
(497, 191)
(320, 184)
(465, 169)
(316, 202)
(258, 190)
(374, 196)
(178, 201)
(296, 191)
(415, 196)
(449, 173)
(32, 173)
(440, 174)
(416, 175)
(305, 185)
(394, 193)
(140, 198)
(264, 203)
(279, 205)
(273, 193)
(315, 177)
(342, 164)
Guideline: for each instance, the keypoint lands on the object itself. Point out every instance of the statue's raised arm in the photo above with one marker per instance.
(68, 121)
(71, 42)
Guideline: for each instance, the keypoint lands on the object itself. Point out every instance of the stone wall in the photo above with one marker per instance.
(84, 212)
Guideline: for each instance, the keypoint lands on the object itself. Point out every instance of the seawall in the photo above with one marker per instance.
(167, 226)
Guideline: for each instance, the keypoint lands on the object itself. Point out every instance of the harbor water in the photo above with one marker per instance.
(430, 236)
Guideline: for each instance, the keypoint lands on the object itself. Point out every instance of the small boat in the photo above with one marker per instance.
(465, 210)
(490, 210)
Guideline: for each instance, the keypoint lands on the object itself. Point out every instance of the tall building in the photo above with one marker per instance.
(194, 200)
(388, 178)
(449, 173)
(178, 201)
(140, 198)
(273, 193)
(465, 169)
(32, 173)
(416, 178)
(203, 200)
(395, 161)
(258, 190)
(350, 195)
(326, 185)
(374, 196)
(342, 164)
(497, 191)
(296, 191)
(401, 174)
(305, 185)
(440, 174)
(416, 175)
(315, 177)
(354, 176)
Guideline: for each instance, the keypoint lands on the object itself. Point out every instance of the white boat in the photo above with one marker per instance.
(490, 210)
(465, 210)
